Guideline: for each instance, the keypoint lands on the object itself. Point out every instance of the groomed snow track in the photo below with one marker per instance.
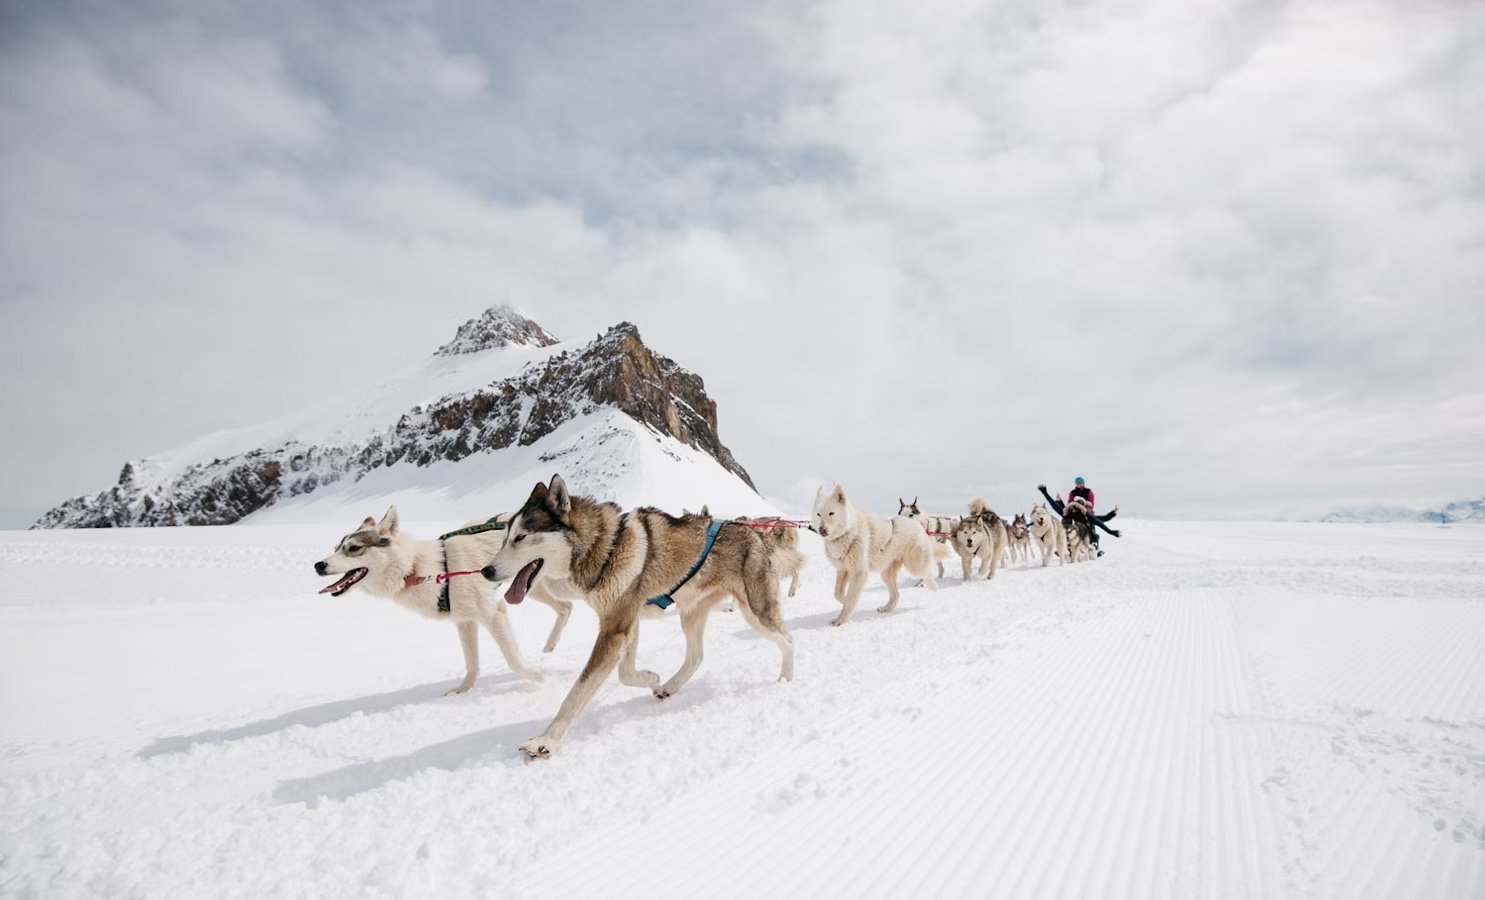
(1221, 710)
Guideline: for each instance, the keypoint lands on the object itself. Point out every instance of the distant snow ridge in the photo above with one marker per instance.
(502, 382)
(499, 326)
(1461, 511)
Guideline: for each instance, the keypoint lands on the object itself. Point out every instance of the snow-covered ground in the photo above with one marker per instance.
(1261, 710)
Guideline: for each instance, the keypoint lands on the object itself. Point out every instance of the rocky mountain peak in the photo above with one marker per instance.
(616, 371)
(499, 326)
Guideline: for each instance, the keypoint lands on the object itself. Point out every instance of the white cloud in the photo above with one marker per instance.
(1219, 256)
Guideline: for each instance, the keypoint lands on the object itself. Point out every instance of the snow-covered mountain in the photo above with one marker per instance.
(1460, 511)
(469, 429)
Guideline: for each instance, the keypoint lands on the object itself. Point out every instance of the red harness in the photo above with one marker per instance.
(415, 580)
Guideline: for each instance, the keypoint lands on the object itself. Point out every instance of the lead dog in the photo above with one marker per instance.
(858, 543)
(384, 562)
(1049, 535)
(619, 562)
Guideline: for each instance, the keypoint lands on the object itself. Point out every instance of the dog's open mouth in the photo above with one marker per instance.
(522, 582)
(346, 582)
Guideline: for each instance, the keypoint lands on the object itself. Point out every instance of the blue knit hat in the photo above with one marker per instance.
(1078, 480)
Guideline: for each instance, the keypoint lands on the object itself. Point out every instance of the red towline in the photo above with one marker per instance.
(775, 523)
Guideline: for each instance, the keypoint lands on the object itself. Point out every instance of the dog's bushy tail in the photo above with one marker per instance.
(978, 506)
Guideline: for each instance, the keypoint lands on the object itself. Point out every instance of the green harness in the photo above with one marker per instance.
(491, 525)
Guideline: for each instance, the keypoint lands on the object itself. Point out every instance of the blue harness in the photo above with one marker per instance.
(664, 600)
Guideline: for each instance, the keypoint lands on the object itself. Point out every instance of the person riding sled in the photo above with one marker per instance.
(1082, 492)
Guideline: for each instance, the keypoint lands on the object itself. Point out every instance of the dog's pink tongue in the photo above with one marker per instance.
(521, 583)
(337, 585)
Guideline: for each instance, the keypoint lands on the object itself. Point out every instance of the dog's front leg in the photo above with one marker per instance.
(469, 642)
(794, 583)
(499, 627)
(628, 675)
(842, 576)
(563, 609)
(606, 652)
(855, 582)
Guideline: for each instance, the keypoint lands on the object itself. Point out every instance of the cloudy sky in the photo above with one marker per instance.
(1223, 257)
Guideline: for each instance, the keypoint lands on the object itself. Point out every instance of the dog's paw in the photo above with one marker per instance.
(537, 748)
(549, 647)
(661, 693)
(461, 688)
(885, 609)
(838, 621)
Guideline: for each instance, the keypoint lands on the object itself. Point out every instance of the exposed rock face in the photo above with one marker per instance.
(617, 370)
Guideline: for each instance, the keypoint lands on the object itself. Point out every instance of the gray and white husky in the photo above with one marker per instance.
(1048, 533)
(1019, 532)
(618, 562)
(383, 561)
(980, 535)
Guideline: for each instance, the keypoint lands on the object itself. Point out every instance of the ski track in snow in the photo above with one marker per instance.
(1260, 710)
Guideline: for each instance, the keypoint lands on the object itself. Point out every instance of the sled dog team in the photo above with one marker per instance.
(560, 547)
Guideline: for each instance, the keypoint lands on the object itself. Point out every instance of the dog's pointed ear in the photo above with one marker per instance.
(915, 502)
(369, 523)
(705, 513)
(538, 496)
(840, 493)
(558, 500)
(900, 504)
(388, 525)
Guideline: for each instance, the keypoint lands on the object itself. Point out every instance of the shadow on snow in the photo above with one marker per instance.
(315, 716)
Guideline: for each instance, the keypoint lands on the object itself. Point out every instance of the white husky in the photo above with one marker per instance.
(1048, 533)
(383, 561)
(858, 543)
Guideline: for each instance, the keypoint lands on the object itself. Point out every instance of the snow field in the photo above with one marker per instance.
(1209, 710)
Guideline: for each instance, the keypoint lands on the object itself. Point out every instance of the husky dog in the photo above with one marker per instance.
(858, 543)
(617, 562)
(783, 545)
(382, 560)
(938, 527)
(1079, 525)
(981, 535)
(1048, 534)
(1020, 536)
